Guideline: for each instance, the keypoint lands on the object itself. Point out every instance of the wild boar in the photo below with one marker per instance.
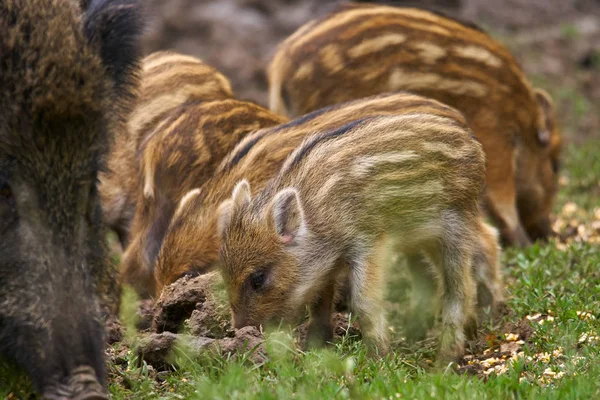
(65, 81)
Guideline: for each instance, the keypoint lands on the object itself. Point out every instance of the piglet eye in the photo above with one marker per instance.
(257, 280)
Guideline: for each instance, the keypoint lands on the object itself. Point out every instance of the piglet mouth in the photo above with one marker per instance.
(81, 385)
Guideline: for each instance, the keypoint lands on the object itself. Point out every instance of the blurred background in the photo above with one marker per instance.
(556, 41)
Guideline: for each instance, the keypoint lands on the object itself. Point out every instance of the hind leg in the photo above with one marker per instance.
(424, 297)
(452, 256)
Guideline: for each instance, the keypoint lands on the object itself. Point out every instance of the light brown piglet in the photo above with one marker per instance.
(191, 244)
(411, 181)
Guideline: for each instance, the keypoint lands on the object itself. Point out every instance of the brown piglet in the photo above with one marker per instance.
(191, 244)
(181, 153)
(168, 80)
(360, 50)
(410, 181)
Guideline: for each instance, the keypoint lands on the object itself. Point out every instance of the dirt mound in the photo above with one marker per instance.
(114, 330)
(179, 300)
(188, 316)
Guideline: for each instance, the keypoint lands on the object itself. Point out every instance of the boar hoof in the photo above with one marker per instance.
(82, 385)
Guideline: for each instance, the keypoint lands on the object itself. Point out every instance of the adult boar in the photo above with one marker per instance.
(65, 80)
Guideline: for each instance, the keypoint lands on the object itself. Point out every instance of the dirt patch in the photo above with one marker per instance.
(179, 300)
(248, 340)
(576, 225)
(114, 330)
(157, 348)
(145, 315)
(495, 348)
(209, 320)
(189, 317)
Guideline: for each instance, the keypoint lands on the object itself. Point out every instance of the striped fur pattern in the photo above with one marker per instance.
(412, 181)
(168, 81)
(180, 154)
(360, 50)
(191, 244)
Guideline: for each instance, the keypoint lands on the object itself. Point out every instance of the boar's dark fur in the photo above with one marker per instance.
(67, 79)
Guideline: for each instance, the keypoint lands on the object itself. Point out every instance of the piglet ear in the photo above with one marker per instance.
(239, 198)
(288, 216)
(545, 117)
(241, 194)
(115, 26)
(224, 216)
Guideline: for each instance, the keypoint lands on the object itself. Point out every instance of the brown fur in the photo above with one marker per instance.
(179, 155)
(191, 243)
(411, 180)
(168, 81)
(362, 50)
(66, 82)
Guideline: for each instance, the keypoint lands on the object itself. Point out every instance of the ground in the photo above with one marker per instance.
(545, 345)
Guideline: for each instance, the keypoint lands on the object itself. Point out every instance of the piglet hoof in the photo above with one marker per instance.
(518, 237)
(452, 346)
(377, 352)
(377, 349)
